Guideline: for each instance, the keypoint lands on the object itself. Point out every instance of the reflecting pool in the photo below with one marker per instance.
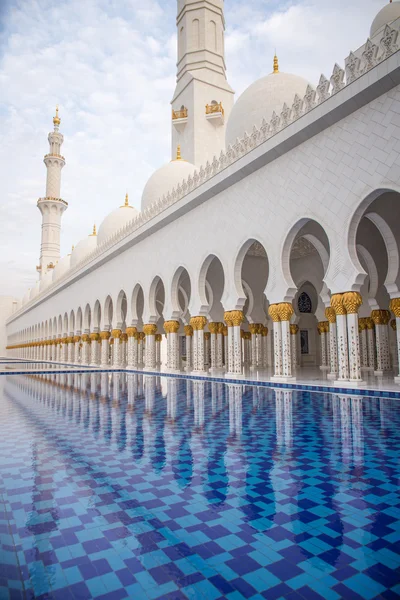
(119, 485)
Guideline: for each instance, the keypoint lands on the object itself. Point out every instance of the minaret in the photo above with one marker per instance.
(52, 206)
(203, 98)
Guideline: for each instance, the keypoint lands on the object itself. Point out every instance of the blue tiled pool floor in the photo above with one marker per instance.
(131, 486)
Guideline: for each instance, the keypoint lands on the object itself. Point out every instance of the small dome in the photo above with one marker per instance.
(61, 267)
(46, 280)
(386, 15)
(85, 247)
(116, 220)
(260, 100)
(166, 178)
(34, 291)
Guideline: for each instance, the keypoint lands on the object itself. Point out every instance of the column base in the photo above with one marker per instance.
(367, 368)
(397, 379)
(217, 370)
(324, 368)
(332, 376)
(188, 369)
(281, 379)
(379, 373)
(353, 383)
(168, 370)
(150, 369)
(234, 375)
(204, 372)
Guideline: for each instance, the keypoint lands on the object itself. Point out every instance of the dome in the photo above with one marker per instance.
(116, 221)
(261, 99)
(34, 291)
(61, 267)
(386, 15)
(166, 178)
(46, 280)
(85, 247)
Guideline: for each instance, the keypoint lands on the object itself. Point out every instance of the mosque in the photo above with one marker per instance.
(269, 244)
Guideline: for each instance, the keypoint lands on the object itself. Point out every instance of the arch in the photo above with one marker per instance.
(137, 304)
(121, 308)
(372, 270)
(97, 316)
(212, 26)
(154, 304)
(391, 249)
(72, 321)
(54, 327)
(65, 324)
(288, 243)
(250, 286)
(196, 34)
(60, 326)
(108, 313)
(87, 318)
(177, 288)
(79, 320)
(202, 281)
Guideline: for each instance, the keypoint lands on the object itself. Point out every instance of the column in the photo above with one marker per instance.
(124, 342)
(95, 349)
(150, 331)
(286, 313)
(233, 320)
(225, 336)
(132, 348)
(198, 324)
(343, 352)
(264, 342)
(85, 349)
(395, 308)
(171, 328)
(324, 355)
(117, 356)
(220, 346)
(294, 330)
(213, 328)
(58, 350)
(105, 345)
(352, 302)
(207, 349)
(273, 312)
(189, 349)
(71, 348)
(371, 346)
(381, 319)
(158, 350)
(53, 350)
(333, 354)
(362, 324)
(253, 332)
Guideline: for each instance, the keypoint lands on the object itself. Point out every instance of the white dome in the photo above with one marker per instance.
(260, 100)
(386, 15)
(61, 267)
(81, 250)
(34, 291)
(46, 280)
(164, 179)
(115, 221)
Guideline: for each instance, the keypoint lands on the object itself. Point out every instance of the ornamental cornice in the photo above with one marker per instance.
(357, 64)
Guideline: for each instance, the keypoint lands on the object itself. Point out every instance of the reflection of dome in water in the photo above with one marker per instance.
(261, 99)
(116, 220)
(385, 16)
(164, 179)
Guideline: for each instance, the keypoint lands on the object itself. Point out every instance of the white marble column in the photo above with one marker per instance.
(94, 349)
(207, 349)
(234, 319)
(343, 349)
(363, 343)
(117, 349)
(381, 319)
(132, 348)
(246, 345)
(286, 313)
(395, 308)
(198, 324)
(264, 342)
(278, 367)
(105, 349)
(213, 328)
(322, 330)
(171, 328)
(220, 346)
(158, 350)
(189, 347)
(371, 347)
(352, 302)
(124, 344)
(333, 346)
(85, 349)
(150, 331)
(294, 330)
(254, 329)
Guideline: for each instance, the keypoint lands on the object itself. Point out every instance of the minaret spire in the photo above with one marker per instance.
(52, 206)
(203, 97)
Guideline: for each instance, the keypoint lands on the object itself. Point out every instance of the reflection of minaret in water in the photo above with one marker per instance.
(235, 393)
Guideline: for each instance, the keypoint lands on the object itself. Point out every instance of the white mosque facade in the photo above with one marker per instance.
(269, 242)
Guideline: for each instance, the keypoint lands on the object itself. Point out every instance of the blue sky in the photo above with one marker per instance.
(110, 64)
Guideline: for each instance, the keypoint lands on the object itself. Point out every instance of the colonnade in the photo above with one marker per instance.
(349, 344)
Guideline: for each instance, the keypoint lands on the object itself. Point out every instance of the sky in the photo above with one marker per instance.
(111, 67)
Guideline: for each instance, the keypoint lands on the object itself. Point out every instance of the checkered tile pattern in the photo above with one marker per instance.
(169, 488)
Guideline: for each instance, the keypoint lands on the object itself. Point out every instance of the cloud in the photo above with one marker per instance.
(111, 66)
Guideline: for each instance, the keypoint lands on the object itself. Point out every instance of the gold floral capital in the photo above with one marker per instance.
(207, 335)
(264, 331)
(274, 313)
(130, 331)
(171, 326)
(105, 335)
(294, 329)
(198, 323)
(285, 311)
(362, 324)
(85, 338)
(158, 337)
(395, 307)
(116, 333)
(150, 329)
(393, 324)
(330, 314)
(188, 330)
(380, 317)
(337, 304)
(352, 302)
(369, 323)
(94, 337)
(255, 328)
(213, 328)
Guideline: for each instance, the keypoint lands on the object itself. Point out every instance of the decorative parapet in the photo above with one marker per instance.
(179, 114)
(214, 108)
(356, 64)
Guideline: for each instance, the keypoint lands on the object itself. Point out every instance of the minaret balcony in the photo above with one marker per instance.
(180, 118)
(215, 113)
(50, 199)
(54, 156)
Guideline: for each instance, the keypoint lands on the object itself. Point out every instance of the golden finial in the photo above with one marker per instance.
(276, 64)
(73, 248)
(56, 119)
(178, 153)
(94, 230)
(126, 205)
